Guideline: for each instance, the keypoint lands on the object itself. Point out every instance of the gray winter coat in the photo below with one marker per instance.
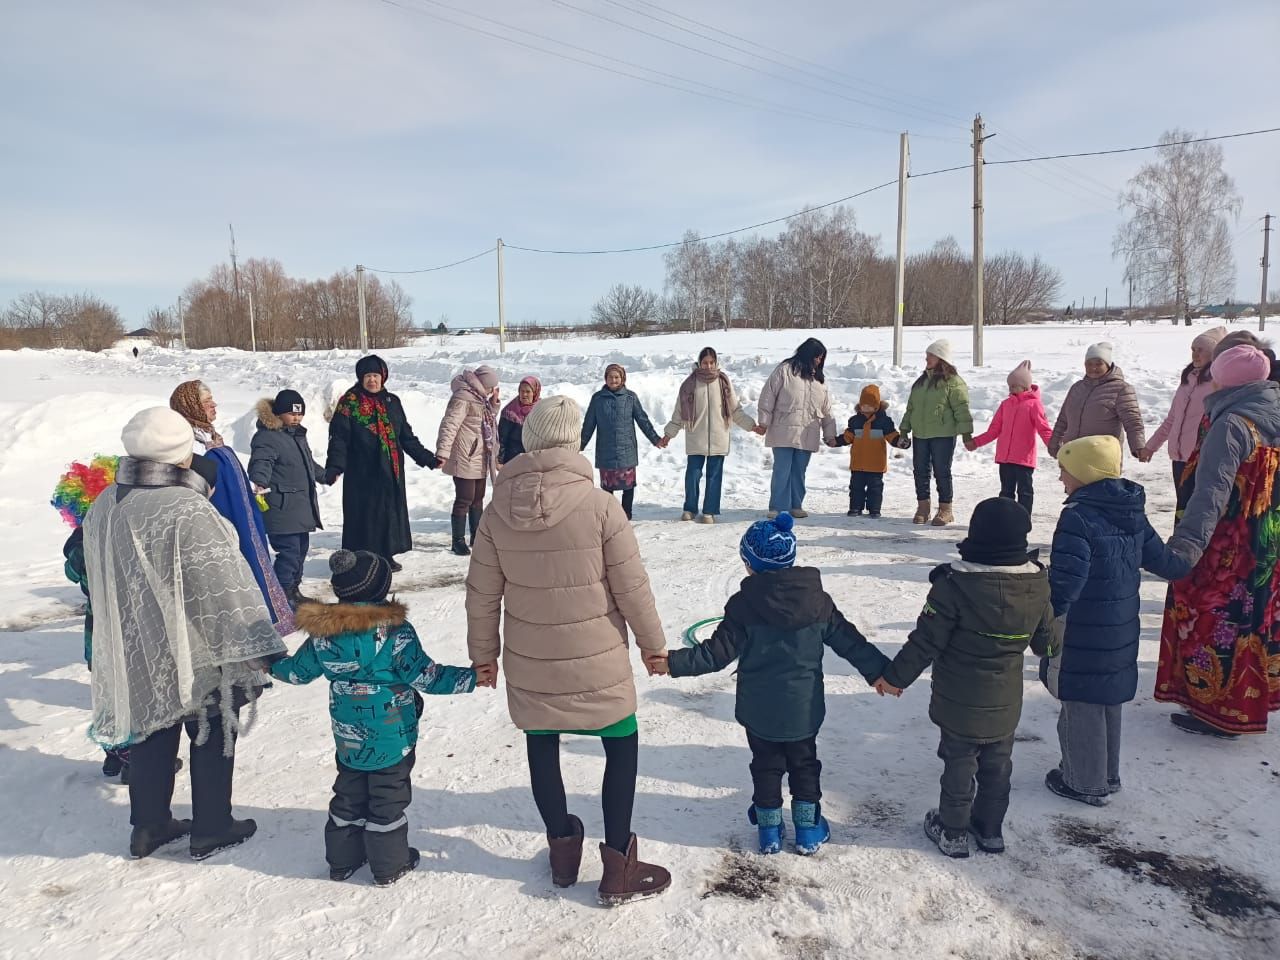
(1227, 445)
(281, 460)
(615, 416)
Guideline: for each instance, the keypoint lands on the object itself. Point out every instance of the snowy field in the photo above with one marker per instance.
(1184, 863)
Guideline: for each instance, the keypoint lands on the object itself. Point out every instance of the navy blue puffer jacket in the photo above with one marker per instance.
(1102, 541)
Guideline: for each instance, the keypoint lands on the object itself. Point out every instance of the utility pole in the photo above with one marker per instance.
(253, 329)
(502, 307)
(900, 276)
(360, 309)
(182, 323)
(978, 139)
(1106, 299)
(1266, 262)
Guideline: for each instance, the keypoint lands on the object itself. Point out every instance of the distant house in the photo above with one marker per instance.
(142, 337)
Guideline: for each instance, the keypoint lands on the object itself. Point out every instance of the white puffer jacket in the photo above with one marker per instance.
(708, 434)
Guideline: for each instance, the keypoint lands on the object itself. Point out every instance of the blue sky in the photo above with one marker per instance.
(333, 132)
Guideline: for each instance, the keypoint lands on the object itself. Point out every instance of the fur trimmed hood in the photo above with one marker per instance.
(333, 619)
(266, 419)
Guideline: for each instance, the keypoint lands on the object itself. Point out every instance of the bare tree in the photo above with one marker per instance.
(689, 272)
(625, 310)
(34, 318)
(1016, 286)
(88, 322)
(1176, 240)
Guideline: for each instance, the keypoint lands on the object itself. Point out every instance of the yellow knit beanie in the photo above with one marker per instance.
(1091, 459)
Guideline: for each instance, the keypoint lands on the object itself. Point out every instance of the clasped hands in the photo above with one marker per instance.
(486, 674)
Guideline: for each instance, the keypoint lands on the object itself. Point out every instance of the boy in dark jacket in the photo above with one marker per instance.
(285, 473)
(376, 669)
(1103, 538)
(777, 626)
(870, 432)
(980, 615)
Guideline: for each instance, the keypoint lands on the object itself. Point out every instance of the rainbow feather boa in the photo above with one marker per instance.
(80, 486)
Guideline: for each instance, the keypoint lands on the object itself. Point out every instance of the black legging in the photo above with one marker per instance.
(628, 498)
(467, 494)
(618, 795)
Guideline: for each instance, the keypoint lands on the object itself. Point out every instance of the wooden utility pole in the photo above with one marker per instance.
(978, 139)
(360, 309)
(502, 305)
(253, 327)
(1106, 300)
(900, 276)
(1266, 262)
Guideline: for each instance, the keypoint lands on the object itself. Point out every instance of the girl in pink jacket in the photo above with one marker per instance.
(1019, 418)
(1182, 426)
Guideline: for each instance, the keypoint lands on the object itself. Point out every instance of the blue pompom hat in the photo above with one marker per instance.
(769, 544)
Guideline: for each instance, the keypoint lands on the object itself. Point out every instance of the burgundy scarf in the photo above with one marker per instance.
(515, 411)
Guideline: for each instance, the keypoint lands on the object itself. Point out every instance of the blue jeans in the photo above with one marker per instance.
(787, 487)
(693, 476)
(936, 453)
(291, 552)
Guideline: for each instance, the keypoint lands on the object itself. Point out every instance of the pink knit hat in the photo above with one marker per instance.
(1240, 365)
(1021, 376)
(1209, 339)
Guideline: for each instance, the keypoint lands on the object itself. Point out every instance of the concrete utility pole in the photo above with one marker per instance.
(1266, 262)
(900, 276)
(978, 139)
(360, 309)
(253, 327)
(182, 323)
(1106, 299)
(502, 307)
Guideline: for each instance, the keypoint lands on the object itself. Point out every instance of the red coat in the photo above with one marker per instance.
(1018, 419)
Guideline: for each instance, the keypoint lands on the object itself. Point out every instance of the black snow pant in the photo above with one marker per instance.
(1018, 483)
(151, 778)
(991, 765)
(367, 818)
(798, 759)
(618, 795)
(866, 491)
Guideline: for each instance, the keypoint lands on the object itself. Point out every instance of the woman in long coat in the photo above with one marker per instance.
(467, 448)
(368, 440)
(1220, 642)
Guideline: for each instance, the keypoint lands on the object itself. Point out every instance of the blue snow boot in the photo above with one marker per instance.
(769, 821)
(812, 830)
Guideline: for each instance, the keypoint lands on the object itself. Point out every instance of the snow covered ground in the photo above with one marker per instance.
(1184, 863)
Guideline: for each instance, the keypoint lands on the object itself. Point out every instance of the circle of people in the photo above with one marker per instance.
(187, 609)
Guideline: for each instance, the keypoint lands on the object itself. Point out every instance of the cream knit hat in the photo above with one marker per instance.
(158, 434)
(553, 422)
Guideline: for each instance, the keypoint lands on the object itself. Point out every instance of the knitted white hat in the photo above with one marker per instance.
(553, 422)
(940, 349)
(158, 434)
(1099, 351)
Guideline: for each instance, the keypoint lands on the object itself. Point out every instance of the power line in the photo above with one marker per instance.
(1151, 146)
(715, 56)
(444, 266)
(719, 93)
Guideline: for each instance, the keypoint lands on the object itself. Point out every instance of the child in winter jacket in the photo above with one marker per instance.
(376, 670)
(937, 412)
(870, 432)
(615, 412)
(1018, 421)
(284, 473)
(977, 622)
(1102, 540)
(777, 626)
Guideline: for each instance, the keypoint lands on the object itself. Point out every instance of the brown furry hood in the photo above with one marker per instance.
(266, 418)
(332, 619)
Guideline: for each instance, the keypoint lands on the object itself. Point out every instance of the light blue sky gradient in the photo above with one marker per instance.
(332, 132)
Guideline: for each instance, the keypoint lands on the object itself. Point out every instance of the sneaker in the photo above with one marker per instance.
(1058, 784)
(1186, 722)
(707, 518)
(409, 867)
(854, 513)
(687, 515)
(204, 847)
(952, 843)
(772, 515)
(798, 513)
(344, 873)
(987, 841)
(145, 841)
(812, 829)
(768, 820)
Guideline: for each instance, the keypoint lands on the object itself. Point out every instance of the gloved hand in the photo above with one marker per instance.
(331, 475)
(904, 443)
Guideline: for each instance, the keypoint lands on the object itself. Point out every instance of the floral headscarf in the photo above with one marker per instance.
(185, 400)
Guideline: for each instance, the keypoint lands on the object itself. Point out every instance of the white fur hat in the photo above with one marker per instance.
(158, 434)
(940, 349)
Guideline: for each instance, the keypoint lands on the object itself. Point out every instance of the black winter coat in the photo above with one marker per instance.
(510, 440)
(777, 626)
(974, 629)
(375, 512)
(613, 417)
(280, 459)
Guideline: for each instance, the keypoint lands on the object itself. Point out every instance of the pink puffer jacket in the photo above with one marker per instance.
(1019, 419)
(461, 441)
(556, 563)
(1182, 425)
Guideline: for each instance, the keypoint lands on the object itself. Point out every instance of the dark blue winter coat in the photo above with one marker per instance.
(613, 416)
(1102, 541)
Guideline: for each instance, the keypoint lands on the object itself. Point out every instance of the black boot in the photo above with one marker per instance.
(459, 524)
(145, 841)
(237, 833)
(473, 521)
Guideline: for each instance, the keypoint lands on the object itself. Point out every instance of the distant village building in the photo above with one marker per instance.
(137, 339)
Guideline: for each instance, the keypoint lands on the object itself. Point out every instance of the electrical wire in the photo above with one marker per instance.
(444, 266)
(1150, 146)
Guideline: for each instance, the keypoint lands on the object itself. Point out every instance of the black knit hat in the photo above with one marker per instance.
(288, 401)
(360, 576)
(997, 534)
(371, 364)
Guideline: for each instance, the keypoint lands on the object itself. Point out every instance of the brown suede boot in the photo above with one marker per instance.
(922, 511)
(626, 878)
(566, 855)
(944, 516)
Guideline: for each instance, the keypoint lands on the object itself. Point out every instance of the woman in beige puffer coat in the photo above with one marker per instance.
(1102, 404)
(560, 556)
(467, 447)
(795, 410)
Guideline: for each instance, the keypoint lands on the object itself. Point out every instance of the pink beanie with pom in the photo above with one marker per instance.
(1021, 376)
(1240, 365)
